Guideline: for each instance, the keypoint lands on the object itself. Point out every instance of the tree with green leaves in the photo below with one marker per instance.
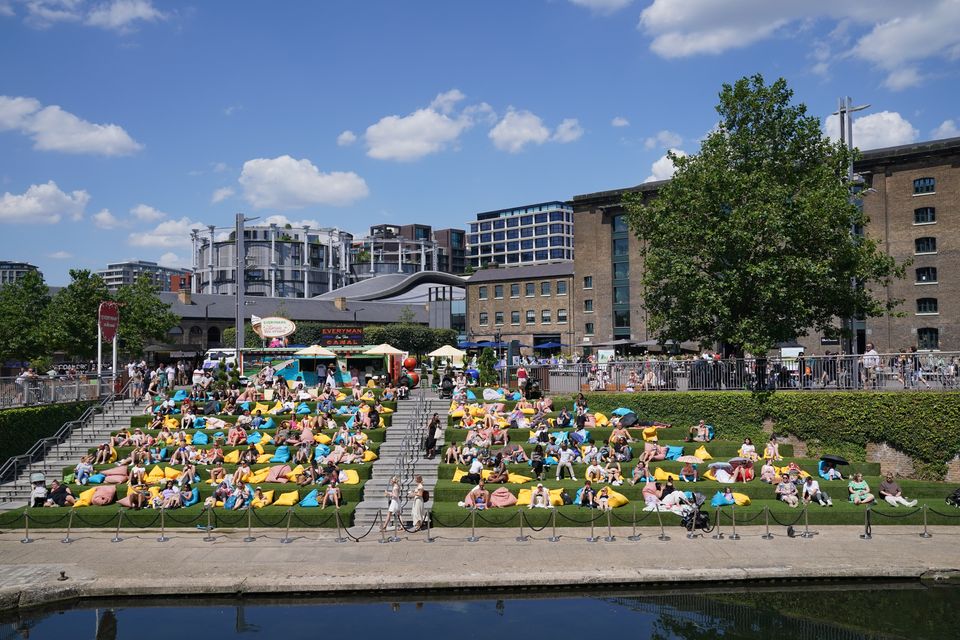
(750, 243)
(485, 364)
(23, 307)
(72, 314)
(144, 317)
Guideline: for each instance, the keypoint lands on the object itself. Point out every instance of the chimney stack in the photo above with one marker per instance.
(340, 303)
(183, 295)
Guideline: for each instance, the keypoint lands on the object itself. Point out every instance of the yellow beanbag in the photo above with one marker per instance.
(113, 455)
(233, 457)
(663, 476)
(287, 499)
(528, 411)
(702, 453)
(262, 407)
(267, 499)
(170, 473)
(341, 397)
(786, 469)
(600, 420)
(171, 423)
(369, 456)
(352, 477)
(83, 500)
(386, 410)
(458, 475)
(259, 476)
(265, 439)
(650, 434)
(709, 475)
(555, 498)
(523, 497)
(322, 438)
(259, 448)
(265, 457)
(297, 470)
(156, 474)
(616, 499)
(516, 478)
(741, 499)
(532, 435)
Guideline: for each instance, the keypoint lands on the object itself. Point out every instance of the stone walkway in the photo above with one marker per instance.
(314, 563)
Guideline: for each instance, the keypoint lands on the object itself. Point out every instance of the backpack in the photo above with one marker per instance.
(426, 495)
(954, 499)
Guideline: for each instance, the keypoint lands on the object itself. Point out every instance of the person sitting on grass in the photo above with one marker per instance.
(60, 495)
(499, 474)
(786, 491)
(514, 454)
(594, 472)
(478, 497)
(811, 492)
(332, 495)
(772, 450)
(859, 490)
(829, 469)
(241, 495)
(587, 495)
(537, 461)
(170, 495)
(565, 462)
(83, 471)
(452, 454)
(103, 454)
(236, 435)
(652, 452)
(892, 494)
(242, 474)
(639, 472)
(540, 498)
(189, 475)
(613, 473)
(748, 450)
(689, 472)
(768, 473)
(699, 432)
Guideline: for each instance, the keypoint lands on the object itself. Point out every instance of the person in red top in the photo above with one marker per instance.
(522, 380)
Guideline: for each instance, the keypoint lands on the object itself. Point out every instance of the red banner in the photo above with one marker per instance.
(108, 318)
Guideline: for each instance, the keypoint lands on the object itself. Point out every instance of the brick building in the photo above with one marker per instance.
(912, 198)
(532, 304)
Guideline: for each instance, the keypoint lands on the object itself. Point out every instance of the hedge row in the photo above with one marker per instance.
(20, 428)
(924, 426)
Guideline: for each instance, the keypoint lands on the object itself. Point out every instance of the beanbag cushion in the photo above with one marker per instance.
(287, 499)
(104, 495)
(116, 478)
(125, 501)
(674, 452)
(264, 458)
(516, 478)
(515, 396)
(267, 499)
(600, 419)
(96, 478)
(621, 411)
(457, 414)
(254, 438)
(663, 476)
(262, 407)
(278, 474)
(741, 499)
(170, 473)
(180, 395)
(369, 456)
(268, 423)
(200, 438)
(349, 476)
(650, 434)
(232, 458)
(293, 475)
(259, 476)
(524, 495)
(527, 411)
(471, 396)
(720, 500)
(302, 410)
(310, 500)
(83, 500)
(156, 474)
(282, 454)
(321, 451)
(194, 497)
(560, 436)
(616, 499)
(702, 453)
(199, 422)
(322, 438)
(502, 497)
(259, 448)
(458, 475)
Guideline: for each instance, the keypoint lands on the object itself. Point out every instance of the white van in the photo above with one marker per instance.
(212, 358)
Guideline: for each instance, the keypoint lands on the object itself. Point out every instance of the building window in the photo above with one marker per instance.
(515, 290)
(483, 318)
(514, 317)
(499, 236)
(482, 293)
(620, 247)
(925, 245)
(561, 287)
(924, 185)
(530, 289)
(927, 305)
(621, 295)
(526, 232)
(512, 222)
(621, 318)
(531, 317)
(498, 317)
(512, 234)
(924, 215)
(545, 288)
(588, 328)
(498, 292)
(928, 338)
(588, 305)
(621, 270)
(619, 224)
(926, 275)
(545, 316)
(542, 243)
(588, 282)
(562, 315)
(540, 255)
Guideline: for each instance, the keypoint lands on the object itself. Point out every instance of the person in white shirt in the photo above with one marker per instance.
(871, 361)
(540, 498)
(595, 472)
(812, 493)
(567, 456)
(476, 471)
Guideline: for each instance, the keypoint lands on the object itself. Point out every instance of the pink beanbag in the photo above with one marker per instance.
(104, 495)
(502, 498)
(278, 474)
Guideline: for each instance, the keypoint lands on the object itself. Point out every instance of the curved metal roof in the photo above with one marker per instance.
(391, 285)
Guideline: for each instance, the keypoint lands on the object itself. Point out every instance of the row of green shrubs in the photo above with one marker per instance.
(924, 426)
(20, 428)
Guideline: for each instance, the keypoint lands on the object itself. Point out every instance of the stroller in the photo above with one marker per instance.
(446, 388)
(695, 518)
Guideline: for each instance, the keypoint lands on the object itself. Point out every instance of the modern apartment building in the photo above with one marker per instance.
(531, 234)
(119, 274)
(409, 248)
(11, 271)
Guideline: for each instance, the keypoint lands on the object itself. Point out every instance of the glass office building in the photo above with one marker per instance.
(532, 234)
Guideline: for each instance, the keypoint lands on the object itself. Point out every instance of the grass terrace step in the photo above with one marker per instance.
(364, 471)
(602, 434)
(351, 492)
(808, 465)
(123, 452)
(141, 421)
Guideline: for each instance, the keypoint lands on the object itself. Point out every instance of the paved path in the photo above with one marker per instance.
(314, 563)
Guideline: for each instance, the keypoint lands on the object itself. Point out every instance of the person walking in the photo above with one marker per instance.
(393, 504)
(419, 495)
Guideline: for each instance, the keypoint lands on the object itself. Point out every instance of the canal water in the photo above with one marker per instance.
(822, 612)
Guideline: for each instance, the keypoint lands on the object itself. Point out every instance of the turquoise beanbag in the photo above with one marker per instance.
(96, 478)
(471, 395)
(199, 422)
(302, 409)
(245, 406)
(310, 500)
(321, 451)
(674, 452)
(282, 454)
(621, 411)
(194, 497)
(720, 500)
(200, 438)
(254, 437)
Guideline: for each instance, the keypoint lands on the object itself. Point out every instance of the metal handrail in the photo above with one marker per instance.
(42, 390)
(13, 466)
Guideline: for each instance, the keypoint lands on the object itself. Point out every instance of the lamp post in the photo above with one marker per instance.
(355, 312)
(206, 326)
(497, 335)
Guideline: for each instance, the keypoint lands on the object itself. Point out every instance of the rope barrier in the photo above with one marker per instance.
(456, 526)
(256, 514)
(943, 515)
(575, 521)
(533, 528)
(785, 524)
(372, 525)
(508, 521)
(894, 516)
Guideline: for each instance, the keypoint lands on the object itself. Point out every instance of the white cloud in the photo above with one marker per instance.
(947, 129)
(602, 6)
(42, 204)
(232, 109)
(619, 121)
(665, 139)
(103, 219)
(221, 194)
(220, 167)
(120, 15)
(893, 35)
(168, 234)
(346, 138)
(876, 130)
(282, 221)
(6, 10)
(446, 101)
(147, 213)
(44, 13)
(662, 168)
(53, 129)
(60, 255)
(173, 261)
(425, 131)
(287, 183)
(517, 129)
(568, 130)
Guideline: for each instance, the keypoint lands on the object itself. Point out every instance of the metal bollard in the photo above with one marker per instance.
(925, 534)
(766, 522)
(163, 526)
(554, 537)
(286, 536)
(867, 534)
(592, 537)
(209, 537)
(719, 534)
(26, 528)
(116, 537)
(521, 537)
(429, 518)
(806, 525)
(690, 534)
(473, 526)
(733, 522)
(663, 534)
(396, 529)
(249, 537)
(68, 539)
(610, 537)
(339, 539)
(634, 537)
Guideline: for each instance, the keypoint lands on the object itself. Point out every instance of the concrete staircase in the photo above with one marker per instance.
(397, 447)
(91, 434)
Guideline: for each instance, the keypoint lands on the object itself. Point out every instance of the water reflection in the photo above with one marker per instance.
(837, 612)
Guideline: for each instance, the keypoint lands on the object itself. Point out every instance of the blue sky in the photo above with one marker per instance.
(124, 123)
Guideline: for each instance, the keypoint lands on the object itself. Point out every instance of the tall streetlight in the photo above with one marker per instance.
(844, 110)
(355, 312)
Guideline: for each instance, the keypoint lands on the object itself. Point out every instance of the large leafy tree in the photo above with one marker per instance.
(72, 315)
(23, 306)
(144, 317)
(750, 243)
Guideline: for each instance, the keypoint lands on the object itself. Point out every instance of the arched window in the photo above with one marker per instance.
(924, 185)
(928, 338)
(924, 215)
(213, 335)
(927, 305)
(925, 245)
(196, 335)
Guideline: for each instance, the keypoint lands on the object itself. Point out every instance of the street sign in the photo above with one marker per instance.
(341, 336)
(108, 318)
(272, 327)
